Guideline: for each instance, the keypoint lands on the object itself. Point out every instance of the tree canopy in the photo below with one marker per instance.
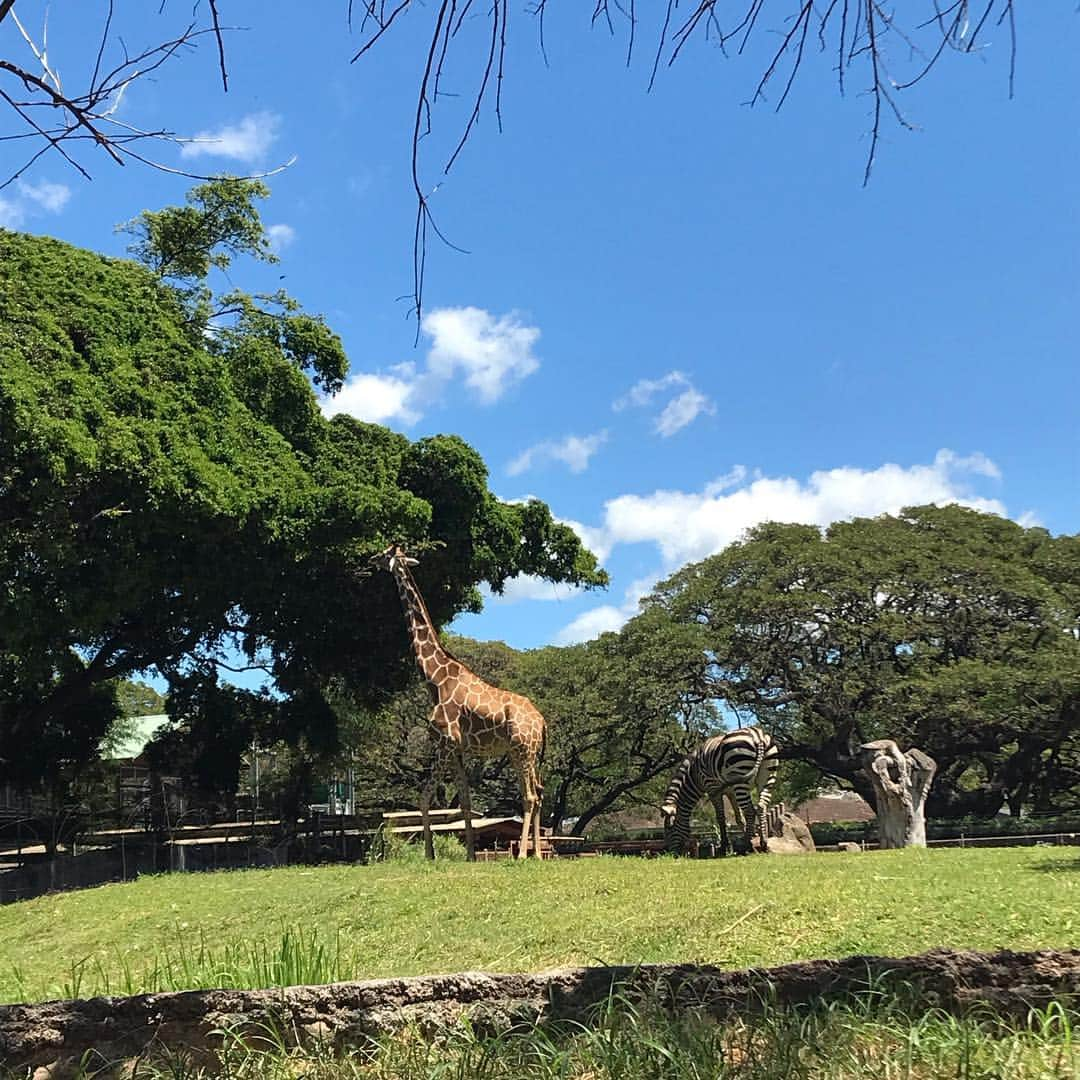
(941, 627)
(170, 491)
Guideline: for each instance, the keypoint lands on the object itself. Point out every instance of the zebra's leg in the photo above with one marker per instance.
(737, 813)
(746, 806)
(766, 778)
(717, 799)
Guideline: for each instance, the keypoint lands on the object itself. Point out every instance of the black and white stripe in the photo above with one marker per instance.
(730, 764)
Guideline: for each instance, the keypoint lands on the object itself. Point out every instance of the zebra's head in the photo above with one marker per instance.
(668, 810)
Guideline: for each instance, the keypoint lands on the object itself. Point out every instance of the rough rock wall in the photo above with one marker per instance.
(53, 1036)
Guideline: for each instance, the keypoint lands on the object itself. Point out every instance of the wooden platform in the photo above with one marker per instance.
(495, 837)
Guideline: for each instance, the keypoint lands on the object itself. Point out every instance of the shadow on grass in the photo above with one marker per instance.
(1057, 864)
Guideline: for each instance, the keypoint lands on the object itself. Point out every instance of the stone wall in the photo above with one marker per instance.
(54, 1036)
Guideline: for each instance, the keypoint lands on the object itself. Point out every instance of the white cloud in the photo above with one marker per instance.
(281, 236)
(690, 525)
(376, 398)
(574, 452)
(492, 353)
(687, 526)
(642, 392)
(531, 587)
(679, 411)
(49, 196)
(32, 199)
(246, 141)
(591, 624)
(11, 214)
(596, 540)
(489, 353)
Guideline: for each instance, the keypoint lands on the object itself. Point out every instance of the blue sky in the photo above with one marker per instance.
(679, 315)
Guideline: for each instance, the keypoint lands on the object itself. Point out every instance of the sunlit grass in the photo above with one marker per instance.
(306, 925)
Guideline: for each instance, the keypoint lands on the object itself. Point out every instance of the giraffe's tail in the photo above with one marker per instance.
(540, 761)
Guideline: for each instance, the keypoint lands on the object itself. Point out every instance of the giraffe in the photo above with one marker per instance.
(470, 715)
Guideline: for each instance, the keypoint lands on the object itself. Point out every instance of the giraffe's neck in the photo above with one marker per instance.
(429, 653)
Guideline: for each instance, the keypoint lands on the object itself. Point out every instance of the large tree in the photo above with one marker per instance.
(942, 628)
(170, 493)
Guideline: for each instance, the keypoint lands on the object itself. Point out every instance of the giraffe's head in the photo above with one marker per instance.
(389, 558)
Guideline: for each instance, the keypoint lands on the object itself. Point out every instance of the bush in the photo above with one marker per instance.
(400, 849)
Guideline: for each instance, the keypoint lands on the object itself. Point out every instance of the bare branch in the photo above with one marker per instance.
(53, 143)
(220, 45)
(887, 48)
(383, 26)
(102, 44)
(89, 115)
(41, 55)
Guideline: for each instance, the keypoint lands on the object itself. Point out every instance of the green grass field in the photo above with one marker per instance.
(299, 925)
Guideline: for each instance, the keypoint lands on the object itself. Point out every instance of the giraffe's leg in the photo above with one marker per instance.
(444, 750)
(528, 799)
(537, 800)
(465, 795)
(426, 795)
(536, 824)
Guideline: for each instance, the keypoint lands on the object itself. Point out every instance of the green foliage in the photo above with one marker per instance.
(942, 627)
(121, 729)
(134, 699)
(390, 919)
(796, 782)
(219, 222)
(167, 491)
(403, 851)
(138, 699)
(264, 329)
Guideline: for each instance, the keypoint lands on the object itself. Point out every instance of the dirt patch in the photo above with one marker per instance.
(52, 1036)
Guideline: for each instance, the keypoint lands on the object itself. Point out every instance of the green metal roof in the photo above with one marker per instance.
(144, 728)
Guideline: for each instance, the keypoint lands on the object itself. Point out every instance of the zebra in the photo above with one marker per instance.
(725, 765)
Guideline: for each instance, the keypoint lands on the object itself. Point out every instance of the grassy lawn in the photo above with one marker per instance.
(298, 924)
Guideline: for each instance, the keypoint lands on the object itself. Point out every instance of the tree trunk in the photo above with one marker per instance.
(901, 783)
(612, 795)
